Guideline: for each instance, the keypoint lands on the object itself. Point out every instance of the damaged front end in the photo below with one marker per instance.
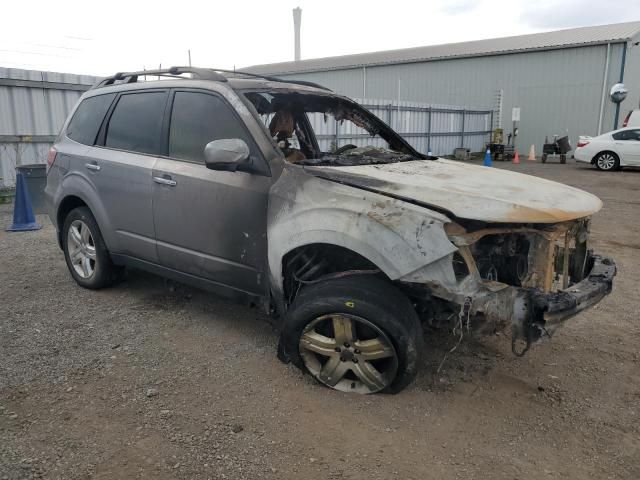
(531, 277)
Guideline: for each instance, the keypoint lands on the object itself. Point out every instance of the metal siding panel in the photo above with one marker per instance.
(33, 111)
(631, 80)
(557, 90)
(600, 34)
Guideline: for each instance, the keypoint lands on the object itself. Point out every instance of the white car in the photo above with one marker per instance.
(612, 150)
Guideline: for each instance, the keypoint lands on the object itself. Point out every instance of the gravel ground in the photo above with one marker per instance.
(154, 380)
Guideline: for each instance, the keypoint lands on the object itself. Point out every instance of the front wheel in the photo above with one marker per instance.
(354, 334)
(607, 161)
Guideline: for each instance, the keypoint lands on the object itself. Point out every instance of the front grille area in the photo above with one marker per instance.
(502, 258)
(548, 258)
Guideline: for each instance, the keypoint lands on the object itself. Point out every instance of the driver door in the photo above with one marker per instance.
(209, 224)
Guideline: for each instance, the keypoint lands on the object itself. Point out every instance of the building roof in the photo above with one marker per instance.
(574, 37)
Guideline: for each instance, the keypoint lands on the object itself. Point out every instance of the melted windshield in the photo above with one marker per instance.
(326, 130)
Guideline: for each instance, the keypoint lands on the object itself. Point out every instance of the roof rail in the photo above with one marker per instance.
(274, 79)
(132, 77)
(214, 74)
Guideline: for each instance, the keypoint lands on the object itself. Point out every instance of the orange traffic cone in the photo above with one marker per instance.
(532, 153)
(516, 158)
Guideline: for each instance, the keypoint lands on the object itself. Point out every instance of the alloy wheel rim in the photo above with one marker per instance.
(348, 353)
(606, 162)
(82, 249)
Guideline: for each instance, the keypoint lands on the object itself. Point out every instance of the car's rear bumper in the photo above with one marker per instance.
(580, 156)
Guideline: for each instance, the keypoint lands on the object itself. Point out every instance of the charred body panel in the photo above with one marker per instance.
(529, 276)
(490, 242)
(472, 192)
(397, 237)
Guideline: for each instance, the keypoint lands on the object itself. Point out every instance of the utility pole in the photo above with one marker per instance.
(297, 19)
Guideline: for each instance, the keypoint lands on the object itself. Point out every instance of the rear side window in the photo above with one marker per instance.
(136, 122)
(86, 122)
(197, 119)
(627, 135)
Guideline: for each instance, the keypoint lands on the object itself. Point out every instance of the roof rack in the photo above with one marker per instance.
(214, 74)
(274, 79)
(132, 77)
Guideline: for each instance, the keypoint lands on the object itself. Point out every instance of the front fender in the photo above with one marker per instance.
(398, 237)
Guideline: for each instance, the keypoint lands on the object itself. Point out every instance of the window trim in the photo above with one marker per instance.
(258, 165)
(102, 133)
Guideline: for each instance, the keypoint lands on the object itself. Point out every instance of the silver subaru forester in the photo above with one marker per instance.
(217, 179)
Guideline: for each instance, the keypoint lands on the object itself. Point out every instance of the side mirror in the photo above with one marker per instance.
(226, 154)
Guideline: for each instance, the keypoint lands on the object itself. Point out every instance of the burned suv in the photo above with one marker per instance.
(218, 179)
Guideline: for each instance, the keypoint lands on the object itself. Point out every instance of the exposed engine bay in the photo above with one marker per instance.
(286, 115)
(532, 277)
(548, 257)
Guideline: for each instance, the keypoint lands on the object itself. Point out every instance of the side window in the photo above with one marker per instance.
(627, 135)
(86, 122)
(620, 135)
(136, 122)
(197, 119)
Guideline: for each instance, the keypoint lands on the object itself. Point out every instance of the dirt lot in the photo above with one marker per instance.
(156, 381)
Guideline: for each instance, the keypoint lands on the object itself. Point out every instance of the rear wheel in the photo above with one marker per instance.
(544, 158)
(607, 161)
(85, 252)
(354, 334)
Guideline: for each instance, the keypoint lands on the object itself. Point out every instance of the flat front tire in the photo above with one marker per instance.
(355, 334)
(86, 255)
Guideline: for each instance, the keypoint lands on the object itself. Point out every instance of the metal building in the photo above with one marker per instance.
(560, 80)
(33, 107)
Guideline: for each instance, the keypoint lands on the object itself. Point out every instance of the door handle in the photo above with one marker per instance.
(165, 181)
(92, 166)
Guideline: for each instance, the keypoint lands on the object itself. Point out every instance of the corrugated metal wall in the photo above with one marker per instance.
(33, 107)
(632, 81)
(558, 91)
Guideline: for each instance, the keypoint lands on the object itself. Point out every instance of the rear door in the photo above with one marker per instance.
(627, 144)
(211, 224)
(120, 166)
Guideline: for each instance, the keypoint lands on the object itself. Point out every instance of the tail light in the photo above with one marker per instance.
(51, 157)
(582, 143)
(626, 120)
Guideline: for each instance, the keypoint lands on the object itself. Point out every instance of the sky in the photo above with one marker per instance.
(100, 38)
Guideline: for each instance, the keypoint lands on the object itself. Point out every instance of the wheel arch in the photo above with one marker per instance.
(317, 259)
(593, 160)
(76, 191)
(354, 255)
(67, 204)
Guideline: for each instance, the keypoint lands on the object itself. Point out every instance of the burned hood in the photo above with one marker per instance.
(470, 191)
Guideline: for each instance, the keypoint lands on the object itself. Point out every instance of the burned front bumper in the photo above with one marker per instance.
(537, 314)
